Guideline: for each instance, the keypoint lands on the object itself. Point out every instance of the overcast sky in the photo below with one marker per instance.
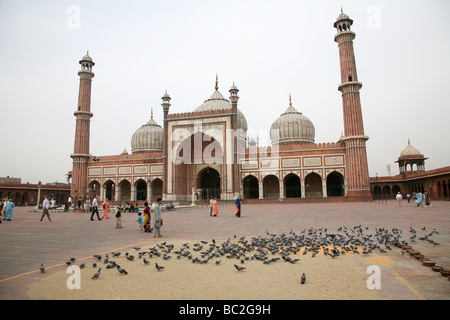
(268, 48)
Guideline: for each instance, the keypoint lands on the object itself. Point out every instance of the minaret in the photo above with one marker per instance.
(354, 139)
(83, 116)
(166, 105)
(234, 119)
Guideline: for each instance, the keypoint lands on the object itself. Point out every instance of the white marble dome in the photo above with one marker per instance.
(292, 127)
(148, 138)
(217, 102)
(410, 151)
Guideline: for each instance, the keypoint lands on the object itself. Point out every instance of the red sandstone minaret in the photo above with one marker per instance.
(354, 139)
(83, 115)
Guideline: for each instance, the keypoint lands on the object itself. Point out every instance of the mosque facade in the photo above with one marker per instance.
(207, 153)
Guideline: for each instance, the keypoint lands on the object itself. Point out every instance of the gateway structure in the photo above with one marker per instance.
(207, 153)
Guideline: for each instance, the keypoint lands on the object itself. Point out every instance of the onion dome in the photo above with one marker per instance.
(410, 151)
(217, 102)
(292, 127)
(148, 138)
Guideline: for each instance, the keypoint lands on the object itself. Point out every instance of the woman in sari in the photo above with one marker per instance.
(215, 208)
(147, 218)
(106, 209)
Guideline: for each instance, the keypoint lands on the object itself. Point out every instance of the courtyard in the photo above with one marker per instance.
(26, 243)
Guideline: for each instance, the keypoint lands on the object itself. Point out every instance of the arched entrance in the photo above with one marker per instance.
(335, 185)
(197, 149)
(94, 188)
(125, 190)
(251, 187)
(271, 187)
(141, 190)
(396, 189)
(292, 186)
(157, 189)
(209, 182)
(109, 190)
(313, 186)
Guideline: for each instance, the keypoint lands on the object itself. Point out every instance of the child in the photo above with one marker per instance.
(140, 221)
(119, 217)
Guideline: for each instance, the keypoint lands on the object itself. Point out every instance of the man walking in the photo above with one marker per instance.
(95, 209)
(238, 206)
(45, 206)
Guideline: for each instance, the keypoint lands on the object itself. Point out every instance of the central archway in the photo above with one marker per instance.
(209, 182)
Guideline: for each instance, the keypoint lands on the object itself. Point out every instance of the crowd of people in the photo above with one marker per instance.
(421, 199)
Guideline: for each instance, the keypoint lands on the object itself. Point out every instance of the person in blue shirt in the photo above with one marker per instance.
(238, 206)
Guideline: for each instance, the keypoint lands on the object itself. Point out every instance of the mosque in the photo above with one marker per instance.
(207, 153)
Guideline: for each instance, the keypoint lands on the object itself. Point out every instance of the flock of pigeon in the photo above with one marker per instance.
(271, 248)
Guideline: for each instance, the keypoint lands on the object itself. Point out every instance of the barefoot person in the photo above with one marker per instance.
(157, 220)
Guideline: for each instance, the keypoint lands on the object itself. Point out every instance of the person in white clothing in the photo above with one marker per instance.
(45, 207)
(95, 208)
(399, 198)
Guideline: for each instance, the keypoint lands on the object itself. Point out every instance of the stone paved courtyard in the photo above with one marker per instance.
(26, 243)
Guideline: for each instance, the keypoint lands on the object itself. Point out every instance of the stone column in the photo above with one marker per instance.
(281, 189)
(324, 188)
(261, 189)
(302, 188)
(117, 195)
(133, 193)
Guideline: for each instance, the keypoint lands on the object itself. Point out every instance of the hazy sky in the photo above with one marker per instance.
(268, 48)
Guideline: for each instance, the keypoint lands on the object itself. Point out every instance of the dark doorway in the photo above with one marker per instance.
(292, 186)
(251, 187)
(335, 185)
(313, 186)
(210, 183)
(141, 190)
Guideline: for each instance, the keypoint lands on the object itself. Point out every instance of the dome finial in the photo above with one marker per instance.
(342, 10)
(217, 82)
(151, 116)
(290, 100)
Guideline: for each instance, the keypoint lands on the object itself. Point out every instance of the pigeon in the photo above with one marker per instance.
(99, 257)
(158, 267)
(218, 261)
(130, 257)
(72, 259)
(94, 264)
(115, 254)
(97, 274)
(42, 268)
(303, 279)
(82, 265)
(239, 268)
(121, 270)
(146, 261)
